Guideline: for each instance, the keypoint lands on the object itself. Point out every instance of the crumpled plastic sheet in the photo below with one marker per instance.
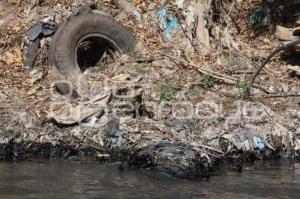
(268, 132)
(65, 114)
(167, 23)
(246, 140)
(254, 140)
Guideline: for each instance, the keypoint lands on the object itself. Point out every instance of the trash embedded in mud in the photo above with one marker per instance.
(68, 115)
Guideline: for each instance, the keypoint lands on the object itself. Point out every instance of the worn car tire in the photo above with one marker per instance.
(64, 45)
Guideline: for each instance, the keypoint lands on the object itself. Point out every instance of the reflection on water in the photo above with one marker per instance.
(64, 179)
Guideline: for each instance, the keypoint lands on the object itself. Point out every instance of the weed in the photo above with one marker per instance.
(17, 39)
(103, 63)
(209, 81)
(142, 69)
(244, 87)
(165, 92)
(226, 56)
(101, 67)
(133, 53)
(195, 88)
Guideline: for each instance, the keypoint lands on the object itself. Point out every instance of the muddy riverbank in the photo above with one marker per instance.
(172, 147)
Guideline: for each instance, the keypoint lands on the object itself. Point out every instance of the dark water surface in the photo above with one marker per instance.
(39, 179)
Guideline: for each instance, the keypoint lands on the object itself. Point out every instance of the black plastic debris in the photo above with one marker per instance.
(33, 36)
(41, 29)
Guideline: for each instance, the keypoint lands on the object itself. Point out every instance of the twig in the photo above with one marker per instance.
(257, 72)
(159, 29)
(215, 91)
(243, 72)
(225, 78)
(146, 60)
(283, 95)
(183, 29)
(5, 42)
(216, 75)
(209, 148)
(238, 17)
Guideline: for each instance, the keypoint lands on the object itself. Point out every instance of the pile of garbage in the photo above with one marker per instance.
(149, 105)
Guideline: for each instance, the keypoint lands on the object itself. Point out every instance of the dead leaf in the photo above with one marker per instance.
(121, 77)
(7, 58)
(18, 56)
(12, 58)
(294, 69)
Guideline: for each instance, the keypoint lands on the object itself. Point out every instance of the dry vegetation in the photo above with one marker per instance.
(223, 71)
